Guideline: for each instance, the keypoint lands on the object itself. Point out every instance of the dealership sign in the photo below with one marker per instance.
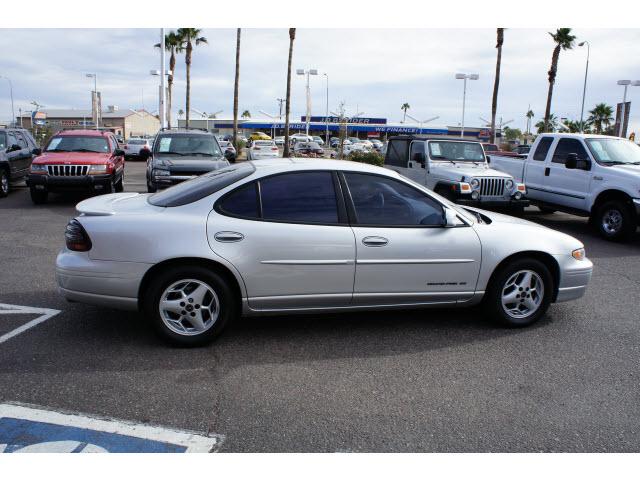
(361, 120)
(38, 118)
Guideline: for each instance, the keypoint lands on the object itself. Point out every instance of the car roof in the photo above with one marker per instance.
(288, 164)
(185, 131)
(82, 133)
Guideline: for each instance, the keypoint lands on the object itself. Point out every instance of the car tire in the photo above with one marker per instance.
(173, 323)
(512, 300)
(4, 182)
(151, 188)
(615, 220)
(38, 197)
(119, 185)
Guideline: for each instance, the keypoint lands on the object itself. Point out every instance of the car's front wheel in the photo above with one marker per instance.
(4, 182)
(189, 306)
(520, 293)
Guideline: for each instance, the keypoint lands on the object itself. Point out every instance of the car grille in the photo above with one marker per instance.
(67, 170)
(187, 173)
(492, 187)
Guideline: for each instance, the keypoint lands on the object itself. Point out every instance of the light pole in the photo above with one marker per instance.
(420, 122)
(465, 77)
(326, 115)
(162, 94)
(584, 89)
(95, 99)
(302, 71)
(13, 113)
(207, 117)
(623, 112)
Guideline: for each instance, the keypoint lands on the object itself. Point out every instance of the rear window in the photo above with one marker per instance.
(264, 143)
(542, 149)
(202, 186)
(397, 153)
(137, 142)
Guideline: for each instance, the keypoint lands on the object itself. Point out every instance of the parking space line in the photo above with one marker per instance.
(30, 429)
(44, 315)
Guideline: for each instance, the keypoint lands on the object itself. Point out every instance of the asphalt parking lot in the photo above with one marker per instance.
(431, 380)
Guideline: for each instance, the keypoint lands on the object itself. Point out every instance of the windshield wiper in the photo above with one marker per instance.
(440, 157)
(84, 150)
(614, 162)
(58, 150)
(173, 153)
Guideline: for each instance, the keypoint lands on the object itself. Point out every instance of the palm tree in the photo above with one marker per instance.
(529, 116)
(601, 116)
(235, 92)
(173, 45)
(189, 36)
(292, 37)
(180, 113)
(552, 124)
(405, 106)
(496, 84)
(246, 114)
(564, 41)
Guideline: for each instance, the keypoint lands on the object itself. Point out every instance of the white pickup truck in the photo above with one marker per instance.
(455, 169)
(589, 175)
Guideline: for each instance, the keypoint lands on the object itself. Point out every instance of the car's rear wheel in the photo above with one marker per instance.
(119, 185)
(4, 182)
(189, 306)
(38, 196)
(520, 293)
(615, 220)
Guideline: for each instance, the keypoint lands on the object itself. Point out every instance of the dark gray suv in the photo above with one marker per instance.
(181, 154)
(17, 149)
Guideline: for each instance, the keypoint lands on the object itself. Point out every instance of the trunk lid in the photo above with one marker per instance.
(129, 203)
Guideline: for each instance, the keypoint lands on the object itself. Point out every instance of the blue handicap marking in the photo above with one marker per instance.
(27, 429)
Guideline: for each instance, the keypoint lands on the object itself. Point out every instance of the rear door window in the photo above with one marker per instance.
(241, 202)
(542, 149)
(397, 153)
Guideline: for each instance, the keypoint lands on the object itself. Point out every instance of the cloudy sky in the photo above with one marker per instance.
(373, 70)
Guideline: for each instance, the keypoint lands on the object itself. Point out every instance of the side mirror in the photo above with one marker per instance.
(13, 148)
(418, 157)
(36, 151)
(572, 161)
(450, 218)
(118, 152)
(586, 165)
(144, 154)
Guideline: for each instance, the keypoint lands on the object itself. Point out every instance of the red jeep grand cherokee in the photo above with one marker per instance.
(88, 160)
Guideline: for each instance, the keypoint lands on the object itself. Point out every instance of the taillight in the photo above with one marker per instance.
(256, 148)
(275, 149)
(76, 237)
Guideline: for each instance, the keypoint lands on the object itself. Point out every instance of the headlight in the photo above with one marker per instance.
(159, 173)
(509, 184)
(38, 168)
(98, 168)
(475, 183)
(578, 254)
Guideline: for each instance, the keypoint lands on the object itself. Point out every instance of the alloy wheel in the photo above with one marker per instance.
(522, 294)
(4, 182)
(189, 307)
(612, 221)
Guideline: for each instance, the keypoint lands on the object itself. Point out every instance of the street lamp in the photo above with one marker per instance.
(465, 77)
(623, 112)
(584, 89)
(420, 122)
(161, 98)
(13, 113)
(326, 115)
(95, 92)
(207, 117)
(302, 71)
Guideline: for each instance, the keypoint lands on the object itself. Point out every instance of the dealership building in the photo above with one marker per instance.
(127, 123)
(356, 127)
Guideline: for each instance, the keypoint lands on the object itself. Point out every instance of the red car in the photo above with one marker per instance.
(77, 160)
(492, 148)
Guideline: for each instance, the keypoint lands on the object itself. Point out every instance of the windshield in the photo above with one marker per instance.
(78, 144)
(456, 151)
(188, 145)
(614, 151)
(3, 140)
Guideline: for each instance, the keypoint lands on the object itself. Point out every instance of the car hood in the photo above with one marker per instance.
(83, 158)
(472, 170)
(198, 164)
(117, 203)
(628, 169)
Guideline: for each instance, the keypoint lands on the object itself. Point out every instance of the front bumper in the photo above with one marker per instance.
(574, 277)
(80, 182)
(493, 202)
(97, 282)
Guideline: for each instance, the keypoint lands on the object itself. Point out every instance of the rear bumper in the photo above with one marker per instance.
(81, 182)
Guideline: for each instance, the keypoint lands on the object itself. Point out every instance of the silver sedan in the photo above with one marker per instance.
(300, 235)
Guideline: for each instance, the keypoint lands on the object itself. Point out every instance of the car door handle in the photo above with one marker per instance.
(547, 171)
(375, 241)
(227, 237)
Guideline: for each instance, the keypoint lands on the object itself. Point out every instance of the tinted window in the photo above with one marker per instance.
(384, 201)
(3, 140)
(21, 141)
(397, 153)
(11, 139)
(307, 197)
(416, 147)
(565, 147)
(202, 186)
(543, 148)
(242, 202)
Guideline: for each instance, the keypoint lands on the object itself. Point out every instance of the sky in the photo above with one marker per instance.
(373, 71)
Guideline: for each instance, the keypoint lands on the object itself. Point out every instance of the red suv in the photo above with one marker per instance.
(88, 160)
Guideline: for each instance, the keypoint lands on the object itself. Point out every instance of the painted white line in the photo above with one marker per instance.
(44, 315)
(191, 441)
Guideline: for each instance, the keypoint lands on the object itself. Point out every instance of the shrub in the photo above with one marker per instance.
(372, 158)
